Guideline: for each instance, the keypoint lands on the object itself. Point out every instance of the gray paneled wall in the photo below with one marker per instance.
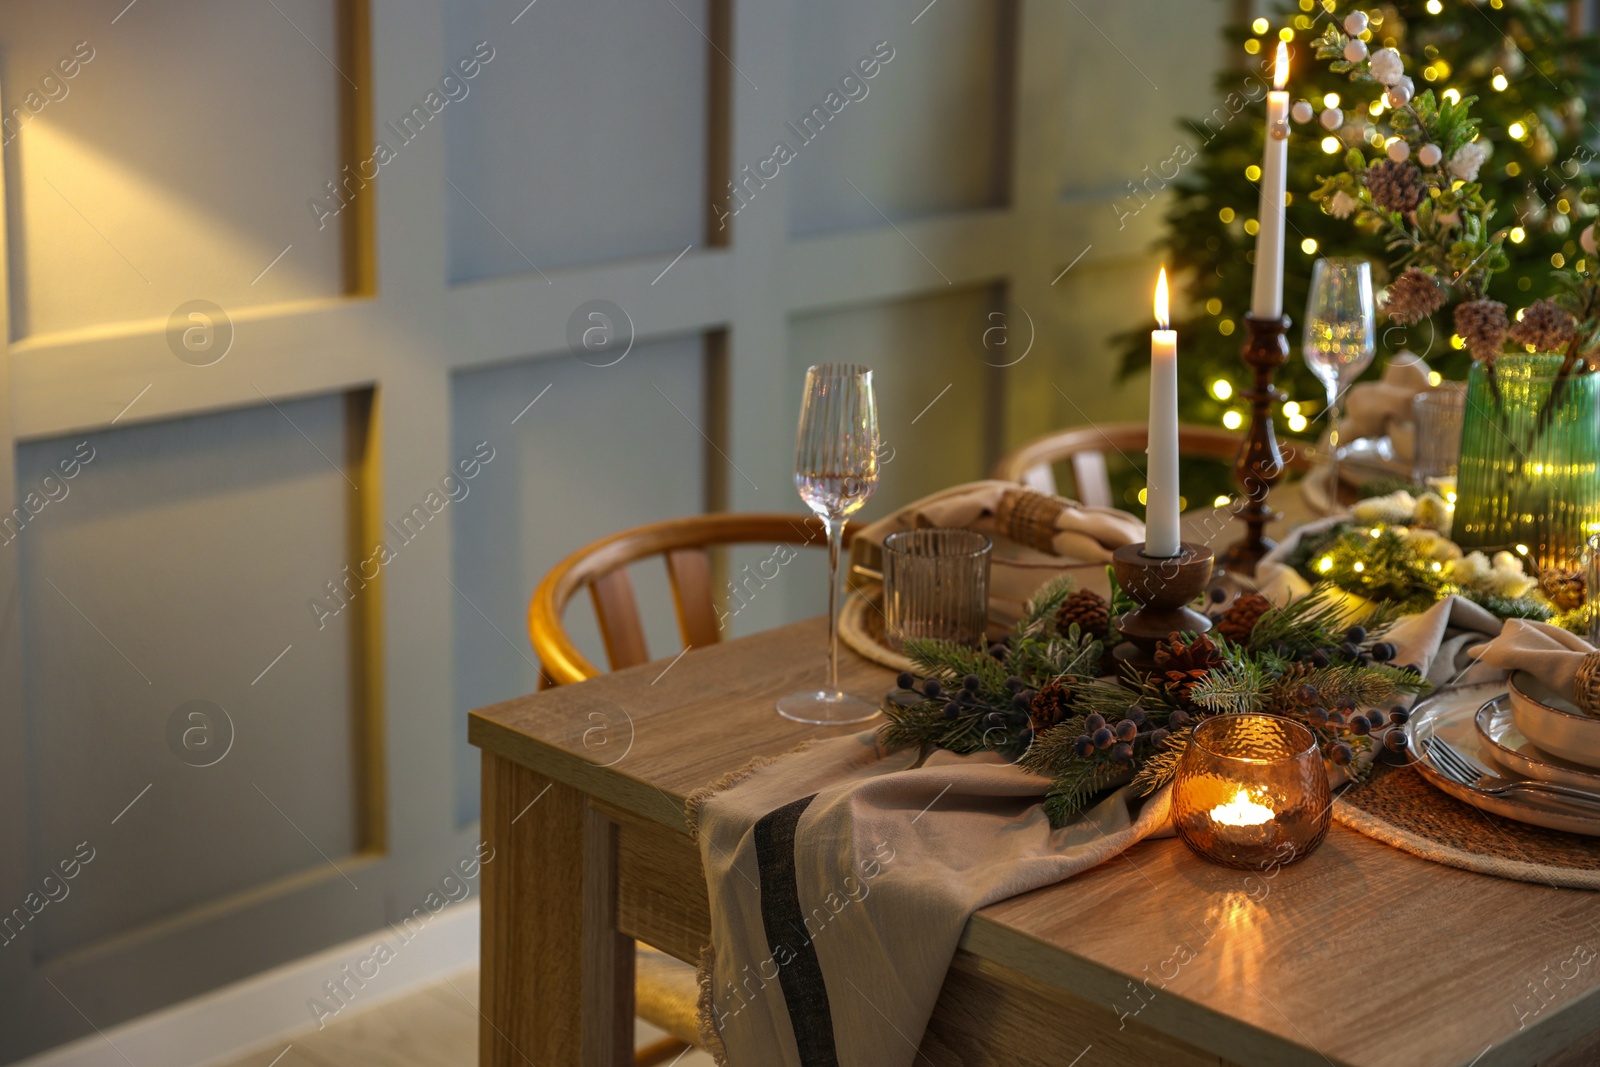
(156, 586)
(397, 216)
(601, 449)
(924, 134)
(136, 185)
(589, 141)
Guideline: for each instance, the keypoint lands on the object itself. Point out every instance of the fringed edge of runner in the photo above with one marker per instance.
(693, 803)
(705, 1006)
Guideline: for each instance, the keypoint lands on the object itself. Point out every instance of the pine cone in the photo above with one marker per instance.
(1089, 610)
(1413, 297)
(1546, 326)
(1051, 705)
(1179, 665)
(1240, 618)
(1482, 324)
(1396, 186)
(1565, 589)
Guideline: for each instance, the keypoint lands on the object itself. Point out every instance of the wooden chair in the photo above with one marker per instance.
(1085, 447)
(602, 567)
(664, 988)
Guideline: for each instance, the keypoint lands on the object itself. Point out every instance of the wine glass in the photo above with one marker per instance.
(835, 471)
(1341, 338)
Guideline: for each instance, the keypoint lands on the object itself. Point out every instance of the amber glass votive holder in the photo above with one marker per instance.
(1251, 792)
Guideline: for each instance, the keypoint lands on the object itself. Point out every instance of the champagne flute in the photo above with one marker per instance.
(835, 471)
(1340, 339)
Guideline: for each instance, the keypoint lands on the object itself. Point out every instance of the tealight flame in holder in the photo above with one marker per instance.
(1241, 811)
(1251, 792)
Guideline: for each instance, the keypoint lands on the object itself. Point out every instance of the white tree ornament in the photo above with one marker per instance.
(1387, 66)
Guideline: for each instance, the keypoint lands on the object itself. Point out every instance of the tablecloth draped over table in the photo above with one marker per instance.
(842, 875)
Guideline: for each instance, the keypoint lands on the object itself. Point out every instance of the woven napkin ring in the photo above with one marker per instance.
(1029, 518)
(1586, 688)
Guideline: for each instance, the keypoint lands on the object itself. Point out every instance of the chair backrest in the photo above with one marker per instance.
(1086, 446)
(603, 567)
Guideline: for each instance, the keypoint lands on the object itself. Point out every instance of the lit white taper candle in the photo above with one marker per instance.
(1266, 297)
(1161, 484)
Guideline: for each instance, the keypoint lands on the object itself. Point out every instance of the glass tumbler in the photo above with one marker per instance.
(1438, 416)
(1251, 792)
(936, 586)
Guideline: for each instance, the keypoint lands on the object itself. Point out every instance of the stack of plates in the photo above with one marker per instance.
(1498, 729)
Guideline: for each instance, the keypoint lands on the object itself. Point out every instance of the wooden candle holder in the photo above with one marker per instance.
(1259, 465)
(1163, 588)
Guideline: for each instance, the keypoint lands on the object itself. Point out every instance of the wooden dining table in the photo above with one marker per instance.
(1360, 955)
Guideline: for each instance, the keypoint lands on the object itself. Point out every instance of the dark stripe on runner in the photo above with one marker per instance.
(804, 992)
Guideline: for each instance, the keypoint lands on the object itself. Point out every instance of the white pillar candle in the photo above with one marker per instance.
(1161, 485)
(1266, 296)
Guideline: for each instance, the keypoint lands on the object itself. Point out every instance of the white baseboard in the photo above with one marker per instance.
(231, 1021)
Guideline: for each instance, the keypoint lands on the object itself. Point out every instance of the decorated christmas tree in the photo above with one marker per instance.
(1535, 80)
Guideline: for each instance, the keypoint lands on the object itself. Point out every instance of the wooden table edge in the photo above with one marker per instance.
(990, 940)
(984, 937)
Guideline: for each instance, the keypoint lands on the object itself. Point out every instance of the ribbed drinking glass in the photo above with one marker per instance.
(1438, 414)
(936, 586)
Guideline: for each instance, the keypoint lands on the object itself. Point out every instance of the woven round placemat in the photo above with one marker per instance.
(861, 626)
(1398, 807)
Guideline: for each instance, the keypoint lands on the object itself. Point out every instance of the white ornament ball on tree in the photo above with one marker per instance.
(1355, 23)
(1331, 118)
(1355, 51)
(1399, 151)
(1586, 239)
(1301, 111)
(1387, 66)
(1429, 155)
(1400, 92)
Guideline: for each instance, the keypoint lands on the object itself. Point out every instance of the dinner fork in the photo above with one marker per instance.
(1465, 770)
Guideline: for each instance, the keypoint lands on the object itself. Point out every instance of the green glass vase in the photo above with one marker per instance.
(1530, 460)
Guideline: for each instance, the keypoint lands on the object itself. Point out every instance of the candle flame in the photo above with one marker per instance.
(1280, 66)
(1241, 811)
(1163, 320)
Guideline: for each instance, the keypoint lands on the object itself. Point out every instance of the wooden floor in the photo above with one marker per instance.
(434, 1027)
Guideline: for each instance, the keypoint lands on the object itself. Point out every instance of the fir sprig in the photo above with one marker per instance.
(1161, 766)
(1319, 619)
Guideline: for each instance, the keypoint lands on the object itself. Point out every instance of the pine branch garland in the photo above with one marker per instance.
(1109, 731)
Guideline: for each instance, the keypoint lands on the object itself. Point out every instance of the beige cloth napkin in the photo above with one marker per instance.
(1078, 537)
(1549, 653)
(841, 876)
(1384, 407)
(1081, 533)
(841, 879)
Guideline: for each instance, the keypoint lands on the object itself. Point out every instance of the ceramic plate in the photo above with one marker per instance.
(1512, 750)
(1451, 716)
(1553, 722)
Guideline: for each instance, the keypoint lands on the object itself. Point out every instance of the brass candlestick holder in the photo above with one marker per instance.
(1259, 466)
(1163, 588)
